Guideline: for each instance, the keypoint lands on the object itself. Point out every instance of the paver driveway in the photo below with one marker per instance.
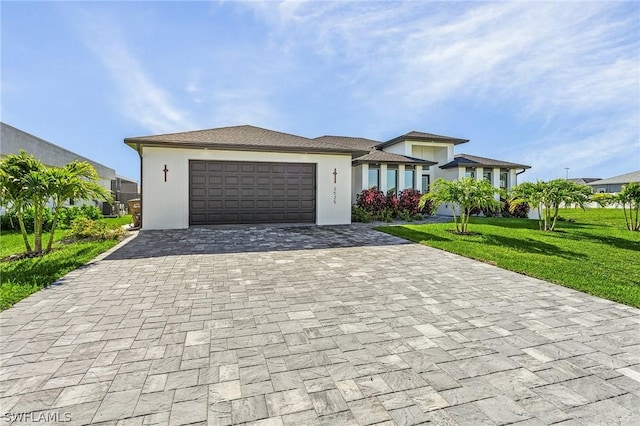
(334, 325)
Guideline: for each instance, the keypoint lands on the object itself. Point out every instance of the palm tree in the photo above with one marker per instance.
(27, 183)
(15, 192)
(629, 197)
(465, 195)
(547, 197)
(77, 180)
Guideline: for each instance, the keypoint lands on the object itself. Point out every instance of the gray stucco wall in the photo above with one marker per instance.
(12, 140)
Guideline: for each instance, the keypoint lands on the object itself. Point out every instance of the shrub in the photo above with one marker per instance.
(371, 200)
(9, 220)
(358, 214)
(87, 229)
(69, 214)
(410, 200)
(520, 211)
(385, 215)
(392, 201)
(407, 215)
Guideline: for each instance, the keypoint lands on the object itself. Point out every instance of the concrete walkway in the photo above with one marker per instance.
(308, 325)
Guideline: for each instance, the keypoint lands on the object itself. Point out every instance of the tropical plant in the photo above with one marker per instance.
(409, 199)
(76, 180)
(629, 199)
(371, 200)
(518, 211)
(603, 199)
(462, 195)
(16, 192)
(548, 197)
(27, 184)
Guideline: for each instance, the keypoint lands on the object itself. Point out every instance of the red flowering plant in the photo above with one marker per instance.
(409, 200)
(371, 200)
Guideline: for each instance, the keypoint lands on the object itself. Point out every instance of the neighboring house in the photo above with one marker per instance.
(246, 174)
(124, 189)
(614, 184)
(13, 140)
(583, 181)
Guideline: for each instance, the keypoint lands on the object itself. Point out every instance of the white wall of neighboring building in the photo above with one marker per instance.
(165, 205)
(13, 140)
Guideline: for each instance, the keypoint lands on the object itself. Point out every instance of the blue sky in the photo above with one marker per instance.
(549, 84)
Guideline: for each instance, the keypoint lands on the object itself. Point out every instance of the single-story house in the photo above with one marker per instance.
(583, 181)
(247, 174)
(614, 184)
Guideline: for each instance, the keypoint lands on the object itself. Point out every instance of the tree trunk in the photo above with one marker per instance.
(540, 218)
(555, 219)
(37, 230)
(626, 220)
(455, 219)
(23, 230)
(53, 227)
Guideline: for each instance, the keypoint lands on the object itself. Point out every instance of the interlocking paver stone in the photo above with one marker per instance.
(314, 325)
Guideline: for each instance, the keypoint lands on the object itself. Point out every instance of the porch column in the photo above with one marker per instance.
(479, 173)
(400, 178)
(461, 172)
(418, 178)
(512, 178)
(495, 180)
(364, 178)
(383, 178)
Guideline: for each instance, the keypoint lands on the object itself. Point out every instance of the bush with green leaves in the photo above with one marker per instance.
(358, 214)
(69, 214)
(87, 229)
(10, 222)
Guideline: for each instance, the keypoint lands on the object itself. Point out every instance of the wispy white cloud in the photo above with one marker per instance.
(570, 68)
(139, 98)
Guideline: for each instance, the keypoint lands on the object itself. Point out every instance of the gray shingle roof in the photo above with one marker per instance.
(362, 144)
(427, 137)
(620, 179)
(239, 137)
(583, 181)
(377, 156)
(475, 161)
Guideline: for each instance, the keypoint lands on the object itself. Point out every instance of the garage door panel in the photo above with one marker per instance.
(245, 192)
(210, 166)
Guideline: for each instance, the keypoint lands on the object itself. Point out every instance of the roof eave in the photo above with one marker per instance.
(133, 143)
(403, 138)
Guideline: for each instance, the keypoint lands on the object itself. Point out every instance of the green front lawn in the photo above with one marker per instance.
(20, 278)
(596, 254)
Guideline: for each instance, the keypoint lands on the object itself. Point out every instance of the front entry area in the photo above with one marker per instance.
(233, 192)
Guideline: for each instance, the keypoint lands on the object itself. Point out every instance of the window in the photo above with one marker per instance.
(392, 180)
(409, 178)
(426, 183)
(470, 172)
(487, 175)
(374, 177)
(504, 179)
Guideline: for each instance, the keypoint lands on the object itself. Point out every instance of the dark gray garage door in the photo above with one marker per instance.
(223, 192)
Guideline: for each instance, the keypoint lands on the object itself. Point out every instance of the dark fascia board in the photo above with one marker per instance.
(419, 163)
(137, 144)
(402, 138)
(454, 164)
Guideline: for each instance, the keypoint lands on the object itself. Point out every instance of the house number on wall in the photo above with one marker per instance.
(335, 190)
